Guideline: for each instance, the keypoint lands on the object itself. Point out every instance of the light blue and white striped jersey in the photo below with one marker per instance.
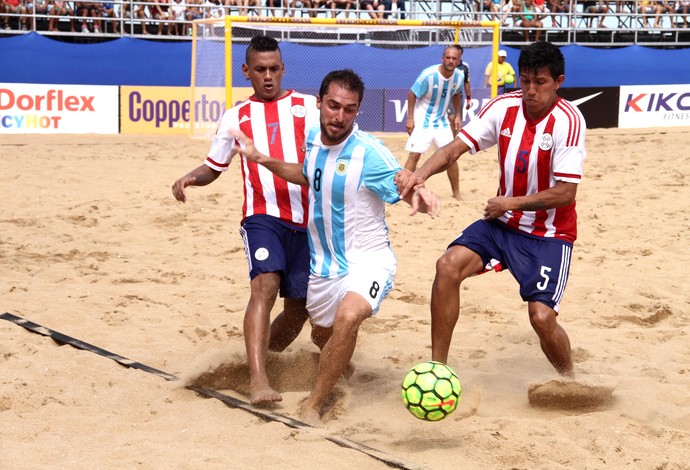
(434, 95)
(349, 186)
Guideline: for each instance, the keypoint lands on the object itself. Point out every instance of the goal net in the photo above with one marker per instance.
(387, 54)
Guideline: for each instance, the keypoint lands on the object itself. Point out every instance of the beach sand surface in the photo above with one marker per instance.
(93, 245)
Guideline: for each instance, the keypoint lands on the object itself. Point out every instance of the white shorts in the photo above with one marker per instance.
(324, 295)
(421, 139)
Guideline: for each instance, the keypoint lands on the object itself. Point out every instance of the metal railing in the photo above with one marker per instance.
(625, 23)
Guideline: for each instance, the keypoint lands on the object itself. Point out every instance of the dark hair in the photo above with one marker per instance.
(542, 54)
(459, 48)
(347, 79)
(261, 43)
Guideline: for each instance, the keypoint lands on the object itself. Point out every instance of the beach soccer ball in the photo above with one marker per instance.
(431, 391)
(509, 79)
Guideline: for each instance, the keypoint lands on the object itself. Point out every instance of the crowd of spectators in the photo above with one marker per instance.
(173, 17)
(532, 14)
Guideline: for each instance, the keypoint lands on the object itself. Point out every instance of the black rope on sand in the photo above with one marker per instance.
(229, 401)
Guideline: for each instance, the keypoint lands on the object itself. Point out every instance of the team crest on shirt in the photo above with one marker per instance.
(298, 111)
(261, 254)
(341, 167)
(546, 142)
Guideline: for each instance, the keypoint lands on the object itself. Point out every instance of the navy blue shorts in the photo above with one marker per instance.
(540, 265)
(271, 246)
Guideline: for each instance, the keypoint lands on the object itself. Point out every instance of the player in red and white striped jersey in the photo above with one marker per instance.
(274, 213)
(530, 226)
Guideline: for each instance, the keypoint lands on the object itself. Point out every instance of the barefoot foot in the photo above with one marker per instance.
(311, 416)
(263, 395)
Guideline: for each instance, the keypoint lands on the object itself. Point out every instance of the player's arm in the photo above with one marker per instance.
(290, 172)
(457, 119)
(425, 201)
(200, 176)
(442, 158)
(562, 194)
(411, 101)
(468, 95)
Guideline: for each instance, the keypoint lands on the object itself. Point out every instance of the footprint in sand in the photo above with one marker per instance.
(570, 395)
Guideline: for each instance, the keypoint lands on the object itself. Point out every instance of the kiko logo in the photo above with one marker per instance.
(649, 102)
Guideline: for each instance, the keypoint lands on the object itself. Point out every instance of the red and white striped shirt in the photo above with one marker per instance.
(532, 156)
(278, 129)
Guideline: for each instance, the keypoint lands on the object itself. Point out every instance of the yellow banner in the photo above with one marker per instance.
(169, 110)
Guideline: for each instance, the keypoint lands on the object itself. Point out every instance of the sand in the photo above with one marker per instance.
(93, 245)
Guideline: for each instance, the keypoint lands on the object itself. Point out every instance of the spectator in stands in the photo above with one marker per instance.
(661, 8)
(140, 12)
(272, 6)
(194, 12)
(375, 8)
(682, 8)
(160, 11)
(58, 9)
(213, 9)
(178, 9)
(243, 6)
(513, 9)
(341, 5)
(107, 10)
(312, 6)
(15, 7)
(87, 11)
(228, 4)
(540, 6)
(488, 7)
(388, 8)
(39, 8)
(530, 20)
(558, 8)
(593, 10)
(645, 8)
(503, 70)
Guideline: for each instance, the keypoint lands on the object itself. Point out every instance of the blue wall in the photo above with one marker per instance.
(32, 58)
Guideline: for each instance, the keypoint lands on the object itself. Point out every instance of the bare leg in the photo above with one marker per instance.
(453, 267)
(288, 324)
(336, 354)
(412, 160)
(553, 338)
(454, 178)
(320, 336)
(257, 317)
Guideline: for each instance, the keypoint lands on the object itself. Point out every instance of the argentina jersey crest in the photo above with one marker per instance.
(341, 167)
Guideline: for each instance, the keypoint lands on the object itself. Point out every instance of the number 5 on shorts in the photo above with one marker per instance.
(544, 274)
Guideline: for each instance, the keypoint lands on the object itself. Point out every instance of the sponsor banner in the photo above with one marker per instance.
(58, 109)
(654, 106)
(172, 110)
(395, 108)
(599, 106)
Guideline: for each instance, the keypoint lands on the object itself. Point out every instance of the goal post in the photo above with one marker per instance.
(217, 43)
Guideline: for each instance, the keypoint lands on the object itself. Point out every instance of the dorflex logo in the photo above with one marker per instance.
(654, 106)
(28, 108)
(53, 100)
